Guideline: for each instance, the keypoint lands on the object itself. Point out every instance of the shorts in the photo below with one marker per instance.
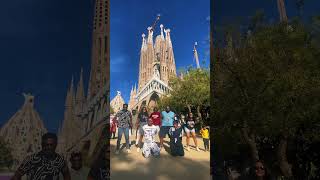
(164, 130)
(187, 130)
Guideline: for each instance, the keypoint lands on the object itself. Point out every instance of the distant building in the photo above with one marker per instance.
(23, 131)
(117, 102)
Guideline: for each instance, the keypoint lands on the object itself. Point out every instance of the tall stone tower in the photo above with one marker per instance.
(81, 111)
(157, 66)
(100, 48)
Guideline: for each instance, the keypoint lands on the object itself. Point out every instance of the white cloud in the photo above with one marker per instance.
(117, 64)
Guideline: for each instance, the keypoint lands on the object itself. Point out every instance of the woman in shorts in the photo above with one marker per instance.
(142, 120)
(190, 130)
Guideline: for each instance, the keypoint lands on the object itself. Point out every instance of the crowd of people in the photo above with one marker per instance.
(149, 126)
(49, 165)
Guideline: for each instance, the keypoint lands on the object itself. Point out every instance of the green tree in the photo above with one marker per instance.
(192, 91)
(6, 159)
(266, 87)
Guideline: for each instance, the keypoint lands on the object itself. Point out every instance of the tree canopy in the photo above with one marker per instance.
(266, 89)
(190, 93)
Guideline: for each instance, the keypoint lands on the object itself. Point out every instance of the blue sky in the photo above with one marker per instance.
(42, 44)
(188, 21)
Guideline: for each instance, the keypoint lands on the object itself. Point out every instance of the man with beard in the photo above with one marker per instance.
(166, 123)
(44, 165)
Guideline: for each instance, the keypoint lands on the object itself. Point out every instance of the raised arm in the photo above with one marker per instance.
(65, 172)
(23, 169)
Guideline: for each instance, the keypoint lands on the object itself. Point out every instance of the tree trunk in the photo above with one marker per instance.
(199, 113)
(189, 107)
(251, 142)
(284, 165)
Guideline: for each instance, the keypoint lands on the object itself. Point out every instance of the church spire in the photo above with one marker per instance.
(195, 53)
(150, 35)
(168, 39)
(80, 88)
(69, 98)
(161, 30)
(143, 42)
(100, 49)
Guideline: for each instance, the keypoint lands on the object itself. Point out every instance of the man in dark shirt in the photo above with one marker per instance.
(44, 165)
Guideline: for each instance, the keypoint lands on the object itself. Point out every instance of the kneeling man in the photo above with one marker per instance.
(150, 147)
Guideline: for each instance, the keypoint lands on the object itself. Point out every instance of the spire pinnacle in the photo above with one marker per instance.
(143, 42)
(150, 35)
(195, 53)
(168, 39)
(161, 27)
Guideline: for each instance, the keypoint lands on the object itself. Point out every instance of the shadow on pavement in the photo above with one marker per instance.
(126, 166)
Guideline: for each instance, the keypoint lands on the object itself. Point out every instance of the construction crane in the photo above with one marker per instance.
(155, 22)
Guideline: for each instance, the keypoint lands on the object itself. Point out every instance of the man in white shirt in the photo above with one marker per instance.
(150, 147)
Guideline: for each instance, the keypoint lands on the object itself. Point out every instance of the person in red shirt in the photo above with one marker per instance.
(156, 117)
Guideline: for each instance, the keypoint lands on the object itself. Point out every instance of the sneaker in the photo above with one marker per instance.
(117, 152)
(197, 149)
(138, 149)
(188, 148)
(128, 151)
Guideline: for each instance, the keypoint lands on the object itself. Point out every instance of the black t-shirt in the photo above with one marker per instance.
(190, 123)
(143, 117)
(41, 167)
(100, 171)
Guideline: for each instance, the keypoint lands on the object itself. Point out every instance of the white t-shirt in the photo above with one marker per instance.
(150, 133)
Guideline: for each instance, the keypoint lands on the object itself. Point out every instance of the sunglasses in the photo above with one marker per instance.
(259, 168)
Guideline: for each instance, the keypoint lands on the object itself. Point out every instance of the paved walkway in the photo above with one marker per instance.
(193, 166)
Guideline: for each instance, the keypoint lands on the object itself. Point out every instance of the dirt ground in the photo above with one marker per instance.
(194, 165)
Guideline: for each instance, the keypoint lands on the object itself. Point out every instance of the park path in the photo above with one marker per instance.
(194, 165)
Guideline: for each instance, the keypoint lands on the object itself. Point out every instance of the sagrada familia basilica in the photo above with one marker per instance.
(157, 66)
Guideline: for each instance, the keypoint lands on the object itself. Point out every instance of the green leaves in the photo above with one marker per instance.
(193, 90)
(6, 159)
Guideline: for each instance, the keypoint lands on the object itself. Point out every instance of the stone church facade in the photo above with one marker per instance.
(157, 66)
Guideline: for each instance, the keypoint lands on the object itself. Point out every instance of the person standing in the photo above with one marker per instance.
(190, 130)
(77, 171)
(124, 121)
(113, 127)
(205, 136)
(156, 117)
(166, 124)
(142, 119)
(150, 147)
(46, 164)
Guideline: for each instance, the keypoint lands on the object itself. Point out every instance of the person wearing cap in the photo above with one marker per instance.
(176, 133)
